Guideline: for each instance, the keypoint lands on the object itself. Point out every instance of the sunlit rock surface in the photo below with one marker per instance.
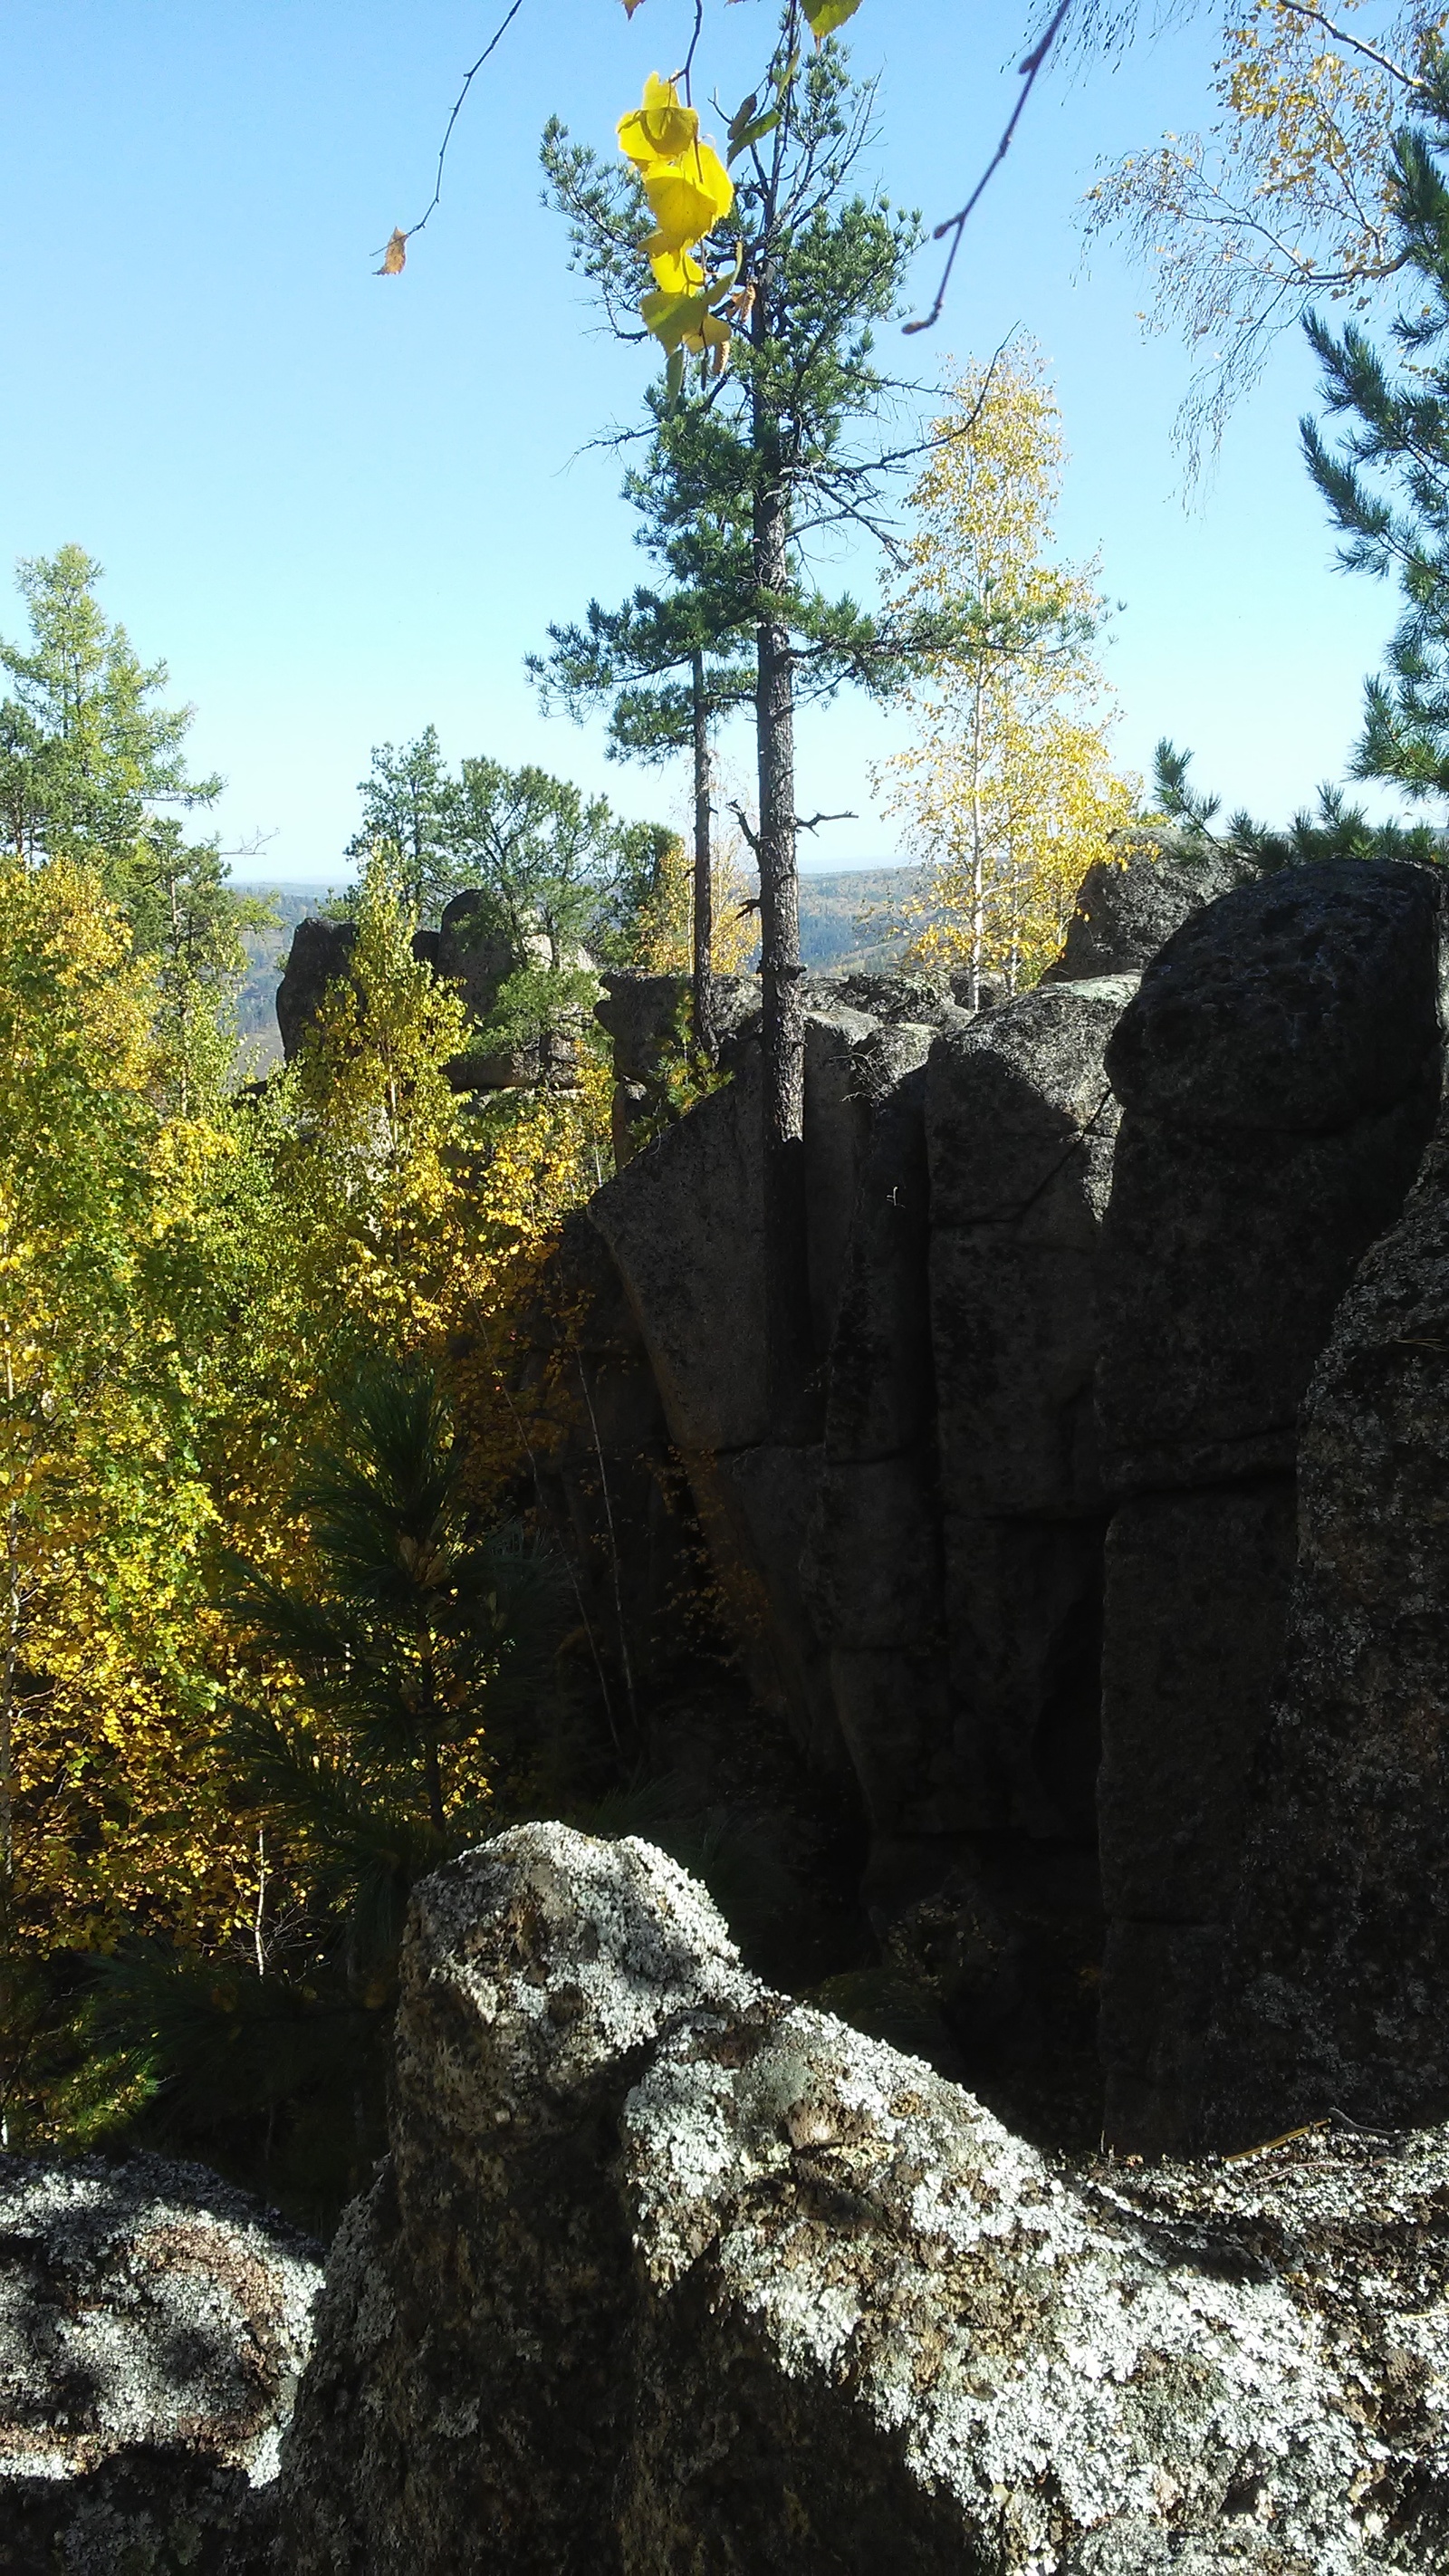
(670, 2273)
(153, 2325)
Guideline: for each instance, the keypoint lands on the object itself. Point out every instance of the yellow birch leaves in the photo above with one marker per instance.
(688, 191)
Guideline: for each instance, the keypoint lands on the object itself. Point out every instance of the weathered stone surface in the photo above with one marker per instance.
(837, 1133)
(1020, 1115)
(1300, 1003)
(880, 1390)
(464, 2410)
(1020, 1123)
(1338, 1989)
(683, 1223)
(672, 2273)
(1279, 1071)
(153, 2325)
(1223, 1261)
(1025, 1643)
(1197, 1594)
(1126, 908)
(320, 953)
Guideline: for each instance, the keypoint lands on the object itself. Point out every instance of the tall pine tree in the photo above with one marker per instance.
(1386, 482)
(816, 263)
(671, 662)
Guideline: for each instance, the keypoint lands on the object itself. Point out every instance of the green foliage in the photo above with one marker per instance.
(821, 267)
(415, 1626)
(1386, 482)
(85, 754)
(628, 657)
(1335, 831)
(407, 799)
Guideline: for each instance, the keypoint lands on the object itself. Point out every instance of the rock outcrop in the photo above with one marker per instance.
(670, 2272)
(153, 2326)
(1335, 1989)
(473, 950)
(1279, 1074)
(1127, 907)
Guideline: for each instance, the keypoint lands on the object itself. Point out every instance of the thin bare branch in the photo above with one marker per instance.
(955, 225)
(495, 39)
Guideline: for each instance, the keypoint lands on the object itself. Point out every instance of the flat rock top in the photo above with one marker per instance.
(1300, 1002)
(145, 2303)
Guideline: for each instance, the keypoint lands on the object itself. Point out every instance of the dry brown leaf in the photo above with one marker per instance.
(629, 7)
(395, 257)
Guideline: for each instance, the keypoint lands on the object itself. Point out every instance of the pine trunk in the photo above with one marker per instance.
(704, 1029)
(787, 1272)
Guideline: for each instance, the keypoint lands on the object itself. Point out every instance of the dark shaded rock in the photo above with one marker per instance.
(320, 954)
(671, 2272)
(153, 2325)
(1300, 1003)
(476, 951)
(1224, 1259)
(852, 1067)
(1337, 1992)
(1279, 1071)
(683, 1223)
(1196, 1599)
(1020, 1123)
(1025, 1599)
(880, 1388)
(1126, 908)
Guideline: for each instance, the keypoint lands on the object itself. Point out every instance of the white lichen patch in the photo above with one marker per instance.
(144, 2304)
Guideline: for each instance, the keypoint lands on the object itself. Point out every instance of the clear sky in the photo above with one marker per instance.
(342, 507)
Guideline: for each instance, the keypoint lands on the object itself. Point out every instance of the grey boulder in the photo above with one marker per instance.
(672, 2273)
(153, 2327)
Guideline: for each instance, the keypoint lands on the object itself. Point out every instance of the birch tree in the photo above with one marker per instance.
(1008, 790)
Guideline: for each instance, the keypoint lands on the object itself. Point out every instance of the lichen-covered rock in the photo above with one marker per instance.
(464, 2407)
(1337, 1988)
(674, 2274)
(153, 2326)
(1127, 906)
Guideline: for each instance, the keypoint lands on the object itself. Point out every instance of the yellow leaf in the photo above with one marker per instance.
(662, 129)
(824, 16)
(676, 271)
(629, 7)
(673, 319)
(687, 198)
(395, 257)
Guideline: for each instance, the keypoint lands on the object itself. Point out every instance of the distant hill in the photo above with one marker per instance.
(836, 933)
(836, 925)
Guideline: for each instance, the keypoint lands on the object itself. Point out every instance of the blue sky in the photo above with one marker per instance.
(342, 507)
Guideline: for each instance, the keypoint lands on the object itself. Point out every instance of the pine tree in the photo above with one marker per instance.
(814, 265)
(1386, 482)
(85, 753)
(407, 798)
(671, 663)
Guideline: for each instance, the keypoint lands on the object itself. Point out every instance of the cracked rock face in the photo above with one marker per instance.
(153, 2326)
(672, 2274)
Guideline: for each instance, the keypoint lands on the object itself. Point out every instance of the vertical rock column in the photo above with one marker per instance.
(1278, 1073)
(1336, 1990)
(1020, 1121)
